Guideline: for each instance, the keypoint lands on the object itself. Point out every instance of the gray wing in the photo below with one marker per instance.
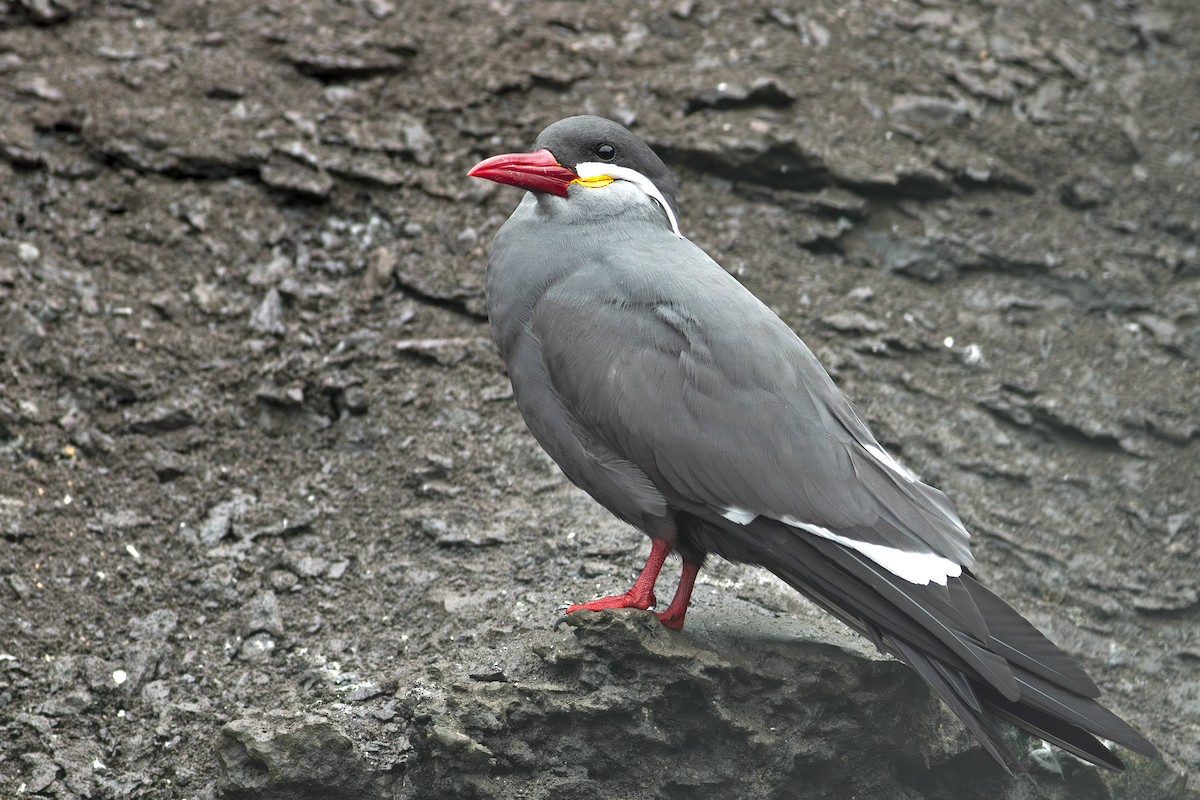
(679, 369)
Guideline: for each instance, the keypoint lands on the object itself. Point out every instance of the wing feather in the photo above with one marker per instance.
(688, 376)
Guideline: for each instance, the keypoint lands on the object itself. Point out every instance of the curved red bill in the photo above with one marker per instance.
(538, 171)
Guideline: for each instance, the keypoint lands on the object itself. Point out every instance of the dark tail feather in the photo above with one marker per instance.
(967, 708)
(1016, 674)
(1045, 698)
(1074, 740)
(1014, 638)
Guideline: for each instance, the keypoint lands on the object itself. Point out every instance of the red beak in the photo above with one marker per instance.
(538, 171)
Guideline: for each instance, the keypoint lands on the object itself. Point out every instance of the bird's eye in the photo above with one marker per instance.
(606, 152)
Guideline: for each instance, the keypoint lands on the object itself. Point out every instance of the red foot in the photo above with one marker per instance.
(627, 600)
(641, 594)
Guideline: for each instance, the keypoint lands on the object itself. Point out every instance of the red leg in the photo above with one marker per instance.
(673, 616)
(641, 594)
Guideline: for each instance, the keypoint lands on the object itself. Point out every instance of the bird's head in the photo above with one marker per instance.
(591, 154)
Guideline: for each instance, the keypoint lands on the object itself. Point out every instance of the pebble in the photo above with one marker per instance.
(381, 270)
(162, 419)
(156, 625)
(22, 331)
(257, 649)
(261, 614)
(43, 772)
(268, 316)
(925, 112)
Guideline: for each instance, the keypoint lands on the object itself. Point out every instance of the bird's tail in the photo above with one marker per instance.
(981, 657)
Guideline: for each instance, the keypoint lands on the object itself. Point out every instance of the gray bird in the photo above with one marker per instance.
(674, 397)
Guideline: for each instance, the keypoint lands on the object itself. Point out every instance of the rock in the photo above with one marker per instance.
(854, 322)
(1052, 417)
(19, 585)
(925, 113)
(452, 534)
(116, 387)
(292, 756)
(309, 566)
(261, 615)
(381, 270)
(67, 704)
(21, 332)
(762, 92)
(156, 694)
(47, 12)
(162, 419)
(17, 146)
(1155, 25)
(283, 410)
(257, 649)
(218, 523)
(155, 625)
(1085, 193)
(342, 66)
(290, 175)
(916, 256)
(167, 465)
(447, 352)
(270, 272)
(271, 393)
(627, 693)
(778, 161)
(268, 316)
(123, 519)
(419, 142)
(43, 771)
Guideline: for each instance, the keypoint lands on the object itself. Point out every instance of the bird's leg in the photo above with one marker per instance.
(673, 615)
(641, 594)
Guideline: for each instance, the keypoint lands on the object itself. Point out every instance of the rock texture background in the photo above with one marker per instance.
(271, 527)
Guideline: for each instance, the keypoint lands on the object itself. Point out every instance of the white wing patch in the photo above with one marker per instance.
(594, 169)
(740, 516)
(885, 458)
(919, 568)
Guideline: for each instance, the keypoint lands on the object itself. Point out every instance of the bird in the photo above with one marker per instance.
(682, 404)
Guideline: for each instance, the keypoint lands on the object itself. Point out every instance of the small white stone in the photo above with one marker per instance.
(120, 676)
(28, 252)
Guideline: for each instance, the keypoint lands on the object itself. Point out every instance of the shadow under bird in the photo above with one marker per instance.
(674, 397)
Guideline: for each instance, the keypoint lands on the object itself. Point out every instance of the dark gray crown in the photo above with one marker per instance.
(576, 140)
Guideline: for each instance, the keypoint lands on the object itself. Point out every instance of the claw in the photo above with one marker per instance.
(671, 619)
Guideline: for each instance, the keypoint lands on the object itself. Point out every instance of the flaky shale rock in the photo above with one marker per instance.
(743, 704)
(740, 705)
(628, 708)
(292, 756)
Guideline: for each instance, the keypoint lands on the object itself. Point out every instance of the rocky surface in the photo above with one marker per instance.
(270, 525)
